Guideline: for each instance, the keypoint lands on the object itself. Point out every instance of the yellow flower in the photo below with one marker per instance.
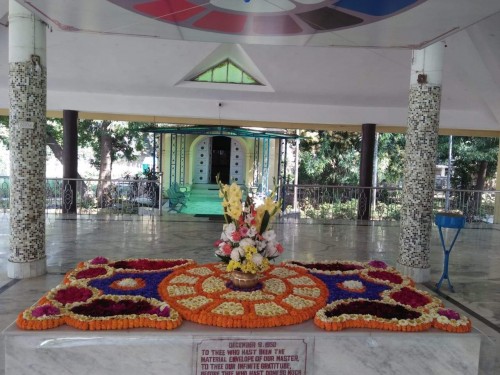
(234, 212)
(235, 191)
(233, 265)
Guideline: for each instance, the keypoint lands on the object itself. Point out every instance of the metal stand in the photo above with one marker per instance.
(443, 221)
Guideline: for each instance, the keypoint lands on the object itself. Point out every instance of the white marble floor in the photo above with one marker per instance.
(474, 263)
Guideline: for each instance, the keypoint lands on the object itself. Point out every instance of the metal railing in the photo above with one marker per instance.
(94, 197)
(382, 203)
(132, 197)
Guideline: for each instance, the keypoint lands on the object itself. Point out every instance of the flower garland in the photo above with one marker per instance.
(115, 312)
(287, 297)
(372, 291)
(336, 267)
(99, 295)
(389, 277)
(450, 321)
(411, 297)
(364, 313)
(384, 286)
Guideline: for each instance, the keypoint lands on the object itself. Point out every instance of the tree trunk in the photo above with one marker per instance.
(104, 196)
(57, 150)
(481, 179)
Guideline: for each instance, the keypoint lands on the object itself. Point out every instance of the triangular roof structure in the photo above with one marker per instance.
(226, 72)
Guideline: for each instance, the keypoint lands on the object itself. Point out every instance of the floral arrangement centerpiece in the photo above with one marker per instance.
(247, 243)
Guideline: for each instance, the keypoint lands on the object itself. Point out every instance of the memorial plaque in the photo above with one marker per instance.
(251, 357)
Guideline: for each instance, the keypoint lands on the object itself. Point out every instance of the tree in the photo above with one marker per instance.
(329, 158)
(475, 162)
(4, 134)
(391, 155)
(109, 141)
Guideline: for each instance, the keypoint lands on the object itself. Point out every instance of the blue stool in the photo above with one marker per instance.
(448, 221)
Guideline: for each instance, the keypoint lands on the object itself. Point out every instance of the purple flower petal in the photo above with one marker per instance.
(378, 264)
(45, 310)
(99, 260)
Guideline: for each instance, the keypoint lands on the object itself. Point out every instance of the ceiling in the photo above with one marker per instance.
(344, 62)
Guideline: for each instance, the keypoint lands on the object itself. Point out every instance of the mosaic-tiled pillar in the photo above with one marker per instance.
(27, 94)
(420, 161)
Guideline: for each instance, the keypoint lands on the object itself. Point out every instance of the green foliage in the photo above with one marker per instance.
(127, 141)
(391, 155)
(348, 210)
(329, 158)
(4, 130)
(468, 153)
(332, 158)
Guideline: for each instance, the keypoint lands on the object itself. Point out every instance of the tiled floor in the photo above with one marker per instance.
(474, 262)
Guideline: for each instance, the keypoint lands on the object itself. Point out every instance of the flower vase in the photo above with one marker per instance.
(244, 280)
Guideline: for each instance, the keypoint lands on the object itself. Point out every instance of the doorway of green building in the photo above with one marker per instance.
(221, 159)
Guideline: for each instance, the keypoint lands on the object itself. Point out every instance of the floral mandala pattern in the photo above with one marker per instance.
(286, 297)
(101, 295)
(157, 293)
(374, 295)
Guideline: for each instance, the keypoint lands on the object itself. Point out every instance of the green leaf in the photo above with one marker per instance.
(265, 222)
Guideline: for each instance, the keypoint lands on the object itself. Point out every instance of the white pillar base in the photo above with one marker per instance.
(419, 275)
(26, 270)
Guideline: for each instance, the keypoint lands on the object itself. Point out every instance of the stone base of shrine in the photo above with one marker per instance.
(195, 349)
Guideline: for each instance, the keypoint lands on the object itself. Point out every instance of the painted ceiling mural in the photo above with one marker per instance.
(268, 17)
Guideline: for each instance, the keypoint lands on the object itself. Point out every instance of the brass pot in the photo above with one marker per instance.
(244, 280)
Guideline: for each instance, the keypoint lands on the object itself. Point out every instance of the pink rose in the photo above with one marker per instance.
(236, 236)
(280, 249)
(226, 249)
(217, 243)
(243, 231)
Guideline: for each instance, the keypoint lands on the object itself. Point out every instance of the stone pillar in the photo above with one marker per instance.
(420, 160)
(366, 170)
(70, 160)
(27, 94)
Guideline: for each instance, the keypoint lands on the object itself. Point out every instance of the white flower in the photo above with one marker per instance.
(247, 242)
(127, 283)
(241, 251)
(260, 245)
(271, 250)
(228, 230)
(353, 284)
(442, 319)
(257, 259)
(252, 232)
(235, 254)
(219, 251)
(269, 235)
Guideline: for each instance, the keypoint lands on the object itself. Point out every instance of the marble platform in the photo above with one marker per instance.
(305, 349)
